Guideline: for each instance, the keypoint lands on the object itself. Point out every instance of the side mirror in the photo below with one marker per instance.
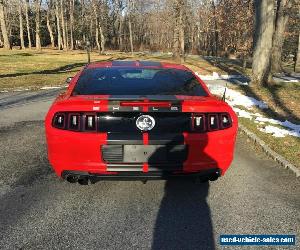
(69, 79)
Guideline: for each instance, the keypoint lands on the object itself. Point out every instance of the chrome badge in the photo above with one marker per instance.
(145, 122)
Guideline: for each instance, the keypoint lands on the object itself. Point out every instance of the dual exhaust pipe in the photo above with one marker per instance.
(82, 180)
(85, 180)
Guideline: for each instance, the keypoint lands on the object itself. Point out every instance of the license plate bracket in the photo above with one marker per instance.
(145, 153)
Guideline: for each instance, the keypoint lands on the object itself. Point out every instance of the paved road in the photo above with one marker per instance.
(37, 210)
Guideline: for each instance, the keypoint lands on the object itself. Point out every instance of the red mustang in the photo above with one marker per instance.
(139, 120)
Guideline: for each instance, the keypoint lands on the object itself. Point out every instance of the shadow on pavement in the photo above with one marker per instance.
(184, 220)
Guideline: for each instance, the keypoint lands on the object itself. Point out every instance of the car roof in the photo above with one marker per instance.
(136, 64)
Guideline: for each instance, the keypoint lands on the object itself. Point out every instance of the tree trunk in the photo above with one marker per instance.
(67, 33)
(216, 35)
(22, 44)
(297, 61)
(121, 33)
(181, 32)
(176, 51)
(27, 24)
(72, 3)
(96, 27)
(37, 25)
(264, 28)
(278, 37)
(50, 31)
(65, 45)
(102, 39)
(59, 39)
(130, 35)
(130, 9)
(4, 32)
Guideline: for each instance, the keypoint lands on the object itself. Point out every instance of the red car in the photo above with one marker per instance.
(139, 120)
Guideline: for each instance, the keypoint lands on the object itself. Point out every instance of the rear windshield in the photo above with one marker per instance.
(141, 81)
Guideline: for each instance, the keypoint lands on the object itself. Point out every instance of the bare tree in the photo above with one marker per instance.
(63, 25)
(264, 29)
(96, 26)
(178, 34)
(27, 5)
(102, 39)
(22, 44)
(207, 27)
(6, 42)
(72, 3)
(282, 16)
(59, 38)
(49, 27)
(130, 9)
(37, 25)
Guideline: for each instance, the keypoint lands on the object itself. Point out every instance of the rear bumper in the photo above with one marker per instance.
(83, 177)
(71, 151)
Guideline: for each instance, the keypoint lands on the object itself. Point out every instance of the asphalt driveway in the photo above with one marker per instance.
(38, 210)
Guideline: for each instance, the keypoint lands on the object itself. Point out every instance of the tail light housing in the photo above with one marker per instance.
(205, 122)
(88, 122)
(75, 121)
(59, 121)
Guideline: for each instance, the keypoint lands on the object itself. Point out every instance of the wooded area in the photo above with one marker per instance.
(265, 30)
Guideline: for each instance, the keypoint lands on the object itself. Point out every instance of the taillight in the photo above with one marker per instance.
(198, 122)
(213, 122)
(75, 121)
(90, 122)
(225, 121)
(210, 121)
(59, 120)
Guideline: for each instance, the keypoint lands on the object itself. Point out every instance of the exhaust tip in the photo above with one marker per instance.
(83, 181)
(214, 177)
(71, 178)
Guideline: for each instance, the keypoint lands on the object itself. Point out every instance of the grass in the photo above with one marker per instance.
(31, 69)
(288, 147)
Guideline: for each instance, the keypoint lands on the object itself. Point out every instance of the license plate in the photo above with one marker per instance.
(145, 153)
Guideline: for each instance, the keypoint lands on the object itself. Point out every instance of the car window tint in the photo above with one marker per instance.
(137, 81)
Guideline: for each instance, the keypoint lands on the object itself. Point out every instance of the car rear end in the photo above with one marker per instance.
(155, 133)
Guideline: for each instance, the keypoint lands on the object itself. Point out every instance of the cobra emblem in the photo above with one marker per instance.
(145, 122)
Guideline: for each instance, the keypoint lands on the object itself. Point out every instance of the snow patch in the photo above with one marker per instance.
(279, 132)
(286, 124)
(292, 80)
(216, 76)
(243, 113)
(235, 98)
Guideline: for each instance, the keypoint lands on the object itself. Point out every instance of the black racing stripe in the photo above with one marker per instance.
(163, 139)
(124, 139)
